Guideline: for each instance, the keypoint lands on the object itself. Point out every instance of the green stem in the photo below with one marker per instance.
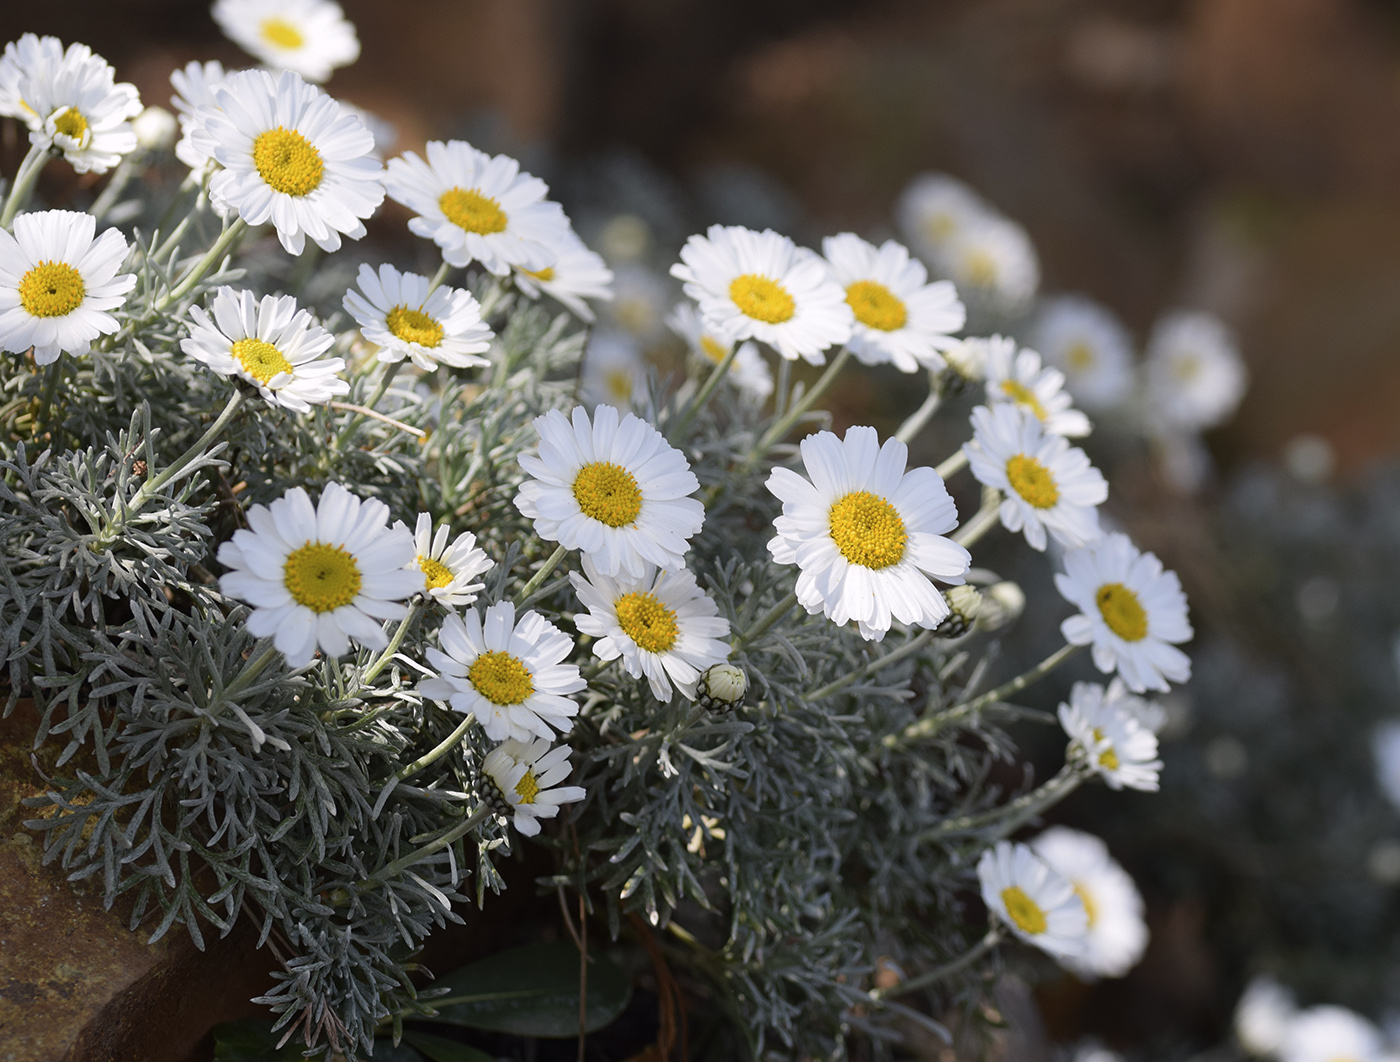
(551, 562)
(697, 404)
(1011, 816)
(941, 973)
(982, 521)
(185, 187)
(382, 661)
(25, 178)
(250, 671)
(43, 415)
(954, 464)
(781, 393)
(894, 656)
(783, 426)
(418, 854)
(448, 744)
(920, 416)
(115, 185)
(765, 623)
(212, 257)
(493, 295)
(386, 378)
(439, 277)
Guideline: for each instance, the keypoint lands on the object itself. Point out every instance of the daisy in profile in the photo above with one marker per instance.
(934, 210)
(397, 313)
(289, 156)
(1090, 346)
(194, 88)
(613, 372)
(269, 343)
(524, 778)
(320, 576)
(1132, 612)
(661, 624)
(477, 207)
(612, 488)
(311, 37)
(1263, 1015)
(510, 674)
(1195, 376)
(1117, 934)
(900, 317)
(59, 284)
(1035, 903)
(1331, 1034)
(867, 536)
(577, 275)
(1047, 485)
(748, 371)
(449, 570)
(1020, 379)
(75, 106)
(760, 285)
(993, 261)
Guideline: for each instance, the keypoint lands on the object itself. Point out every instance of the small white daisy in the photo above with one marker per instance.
(640, 298)
(1149, 714)
(1090, 346)
(1195, 376)
(760, 285)
(611, 488)
(1117, 934)
(511, 675)
(449, 571)
(75, 106)
(318, 577)
(1104, 732)
(1020, 379)
(312, 37)
(23, 59)
(398, 314)
(477, 207)
(899, 316)
(933, 210)
(271, 344)
(526, 777)
(1262, 1016)
(1331, 1034)
(1037, 904)
(1133, 612)
(865, 534)
(290, 156)
(194, 88)
(993, 261)
(1047, 485)
(58, 284)
(661, 624)
(578, 274)
(613, 371)
(749, 372)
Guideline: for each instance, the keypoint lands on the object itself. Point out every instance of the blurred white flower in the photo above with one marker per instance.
(1263, 1015)
(1090, 346)
(312, 37)
(1195, 376)
(1117, 934)
(1032, 900)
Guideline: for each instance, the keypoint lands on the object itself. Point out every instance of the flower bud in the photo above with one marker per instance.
(966, 605)
(721, 687)
(155, 129)
(1002, 605)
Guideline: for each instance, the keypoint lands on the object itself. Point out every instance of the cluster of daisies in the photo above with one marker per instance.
(1269, 1024)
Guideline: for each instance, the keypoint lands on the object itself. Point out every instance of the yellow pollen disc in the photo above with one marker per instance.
(436, 575)
(868, 530)
(713, 348)
(618, 384)
(414, 326)
(287, 162)
(472, 211)
(1022, 910)
(280, 33)
(608, 493)
(1186, 367)
(51, 289)
(1108, 760)
(1032, 481)
(1122, 611)
(1080, 357)
(527, 788)
(501, 678)
(321, 577)
(762, 299)
(1090, 908)
(544, 275)
(262, 361)
(647, 621)
(1024, 397)
(981, 269)
(71, 124)
(938, 227)
(876, 306)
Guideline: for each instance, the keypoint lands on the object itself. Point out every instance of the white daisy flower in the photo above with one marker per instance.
(1263, 1015)
(75, 105)
(1020, 379)
(311, 37)
(58, 284)
(1149, 714)
(194, 88)
(526, 777)
(613, 371)
(661, 624)
(1195, 376)
(477, 207)
(23, 59)
(760, 285)
(612, 489)
(933, 210)
(269, 343)
(449, 570)
(318, 577)
(290, 156)
(1035, 903)
(1104, 732)
(1331, 1034)
(899, 316)
(640, 298)
(398, 314)
(511, 675)
(1090, 346)
(866, 535)
(993, 261)
(1046, 484)
(1133, 612)
(1117, 934)
(749, 372)
(577, 274)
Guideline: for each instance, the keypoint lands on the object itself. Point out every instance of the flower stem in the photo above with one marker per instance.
(941, 973)
(894, 656)
(43, 414)
(784, 425)
(765, 623)
(25, 178)
(921, 416)
(372, 672)
(439, 277)
(448, 744)
(223, 245)
(1011, 816)
(954, 464)
(697, 404)
(108, 199)
(551, 562)
(418, 854)
(982, 521)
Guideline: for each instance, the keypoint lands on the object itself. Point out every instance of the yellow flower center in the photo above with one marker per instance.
(544, 275)
(761, 298)
(1080, 356)
(436, 575)
(618, 384)
(1090, 908)
(280, 33)
(414, 326)
(868, 530)
(527, 788)
(262, 361)
(321, 576)
(1032, 481)
(1022, 910)
(70, 123)
(501, 678)
(51, 289)
(647, 621)
(1186, 367)
(1108, 759)
(1122, 611)
(1024, 397)
(608, 493)
(713, 348)
(876, 306)
(470, 210)
(287, 162)
(938, 227)
(980, 268)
